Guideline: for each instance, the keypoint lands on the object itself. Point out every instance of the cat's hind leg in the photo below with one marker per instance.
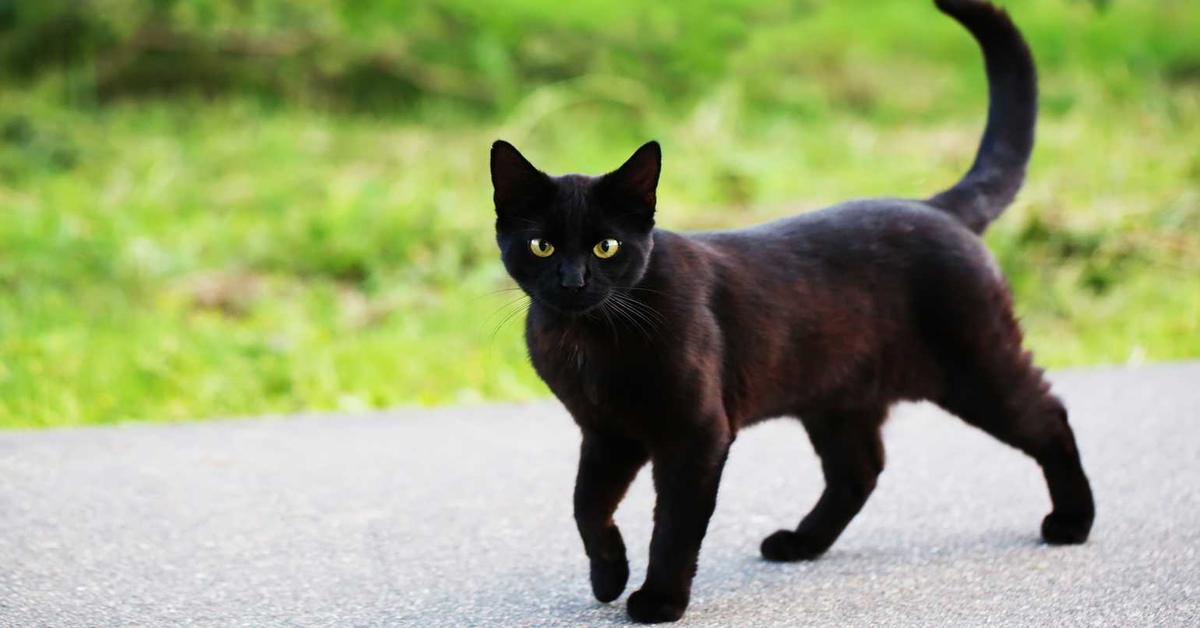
(1005, 395)
(852, 457)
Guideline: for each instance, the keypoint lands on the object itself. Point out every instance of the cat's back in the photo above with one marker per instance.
(856, 233)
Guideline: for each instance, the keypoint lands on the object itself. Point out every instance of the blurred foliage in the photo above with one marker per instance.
(386, 56)
(222, 207)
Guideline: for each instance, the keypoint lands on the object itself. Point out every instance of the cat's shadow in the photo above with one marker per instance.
(723, 585)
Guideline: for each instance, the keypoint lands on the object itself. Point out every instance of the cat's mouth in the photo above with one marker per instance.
(576, 304)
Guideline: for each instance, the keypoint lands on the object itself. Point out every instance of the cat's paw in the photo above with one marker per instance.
(609, 578)
(1066, 529)
(786, 546)
(647, 607)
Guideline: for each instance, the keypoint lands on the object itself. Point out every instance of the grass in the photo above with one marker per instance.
(184, 258)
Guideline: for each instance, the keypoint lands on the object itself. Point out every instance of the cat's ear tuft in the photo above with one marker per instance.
(514, 179)
(637, 178)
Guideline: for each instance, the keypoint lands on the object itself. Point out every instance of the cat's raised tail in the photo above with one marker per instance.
(999, 169)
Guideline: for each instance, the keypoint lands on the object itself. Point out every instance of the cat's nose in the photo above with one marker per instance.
(572, 278)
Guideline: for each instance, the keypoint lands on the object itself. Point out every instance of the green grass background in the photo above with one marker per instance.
(220, 208)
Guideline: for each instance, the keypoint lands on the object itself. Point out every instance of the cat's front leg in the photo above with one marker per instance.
(607, 465)
(686, 477)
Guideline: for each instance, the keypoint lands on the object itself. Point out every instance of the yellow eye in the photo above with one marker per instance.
(541, 248)
(606, 248)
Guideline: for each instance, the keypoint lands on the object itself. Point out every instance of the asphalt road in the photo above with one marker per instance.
(461, 517)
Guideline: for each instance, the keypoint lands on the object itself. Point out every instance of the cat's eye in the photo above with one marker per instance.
(541, 248)
(606, 248)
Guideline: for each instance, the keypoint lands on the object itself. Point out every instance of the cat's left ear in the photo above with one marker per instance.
(514, 180)
(637, 179)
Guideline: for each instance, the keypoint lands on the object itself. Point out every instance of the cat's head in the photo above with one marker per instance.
(569, 241)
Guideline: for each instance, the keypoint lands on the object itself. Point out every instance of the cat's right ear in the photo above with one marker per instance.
(637, 178)
(514, 179)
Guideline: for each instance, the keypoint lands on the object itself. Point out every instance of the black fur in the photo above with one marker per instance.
(665, 350)
(995, 177)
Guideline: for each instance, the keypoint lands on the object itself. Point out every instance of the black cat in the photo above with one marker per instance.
(664, 345)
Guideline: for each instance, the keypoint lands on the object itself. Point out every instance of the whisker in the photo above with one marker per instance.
(611, 325)
(646, 307)
(502, 307)
(620, 316)
(648, 314)
(628, 314)
(493, 292)
(641, 289)
(524, 307)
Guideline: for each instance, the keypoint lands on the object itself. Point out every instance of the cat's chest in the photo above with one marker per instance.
(589, 373)
(573, 366)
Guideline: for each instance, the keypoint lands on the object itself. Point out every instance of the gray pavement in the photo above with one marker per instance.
(462, 517)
